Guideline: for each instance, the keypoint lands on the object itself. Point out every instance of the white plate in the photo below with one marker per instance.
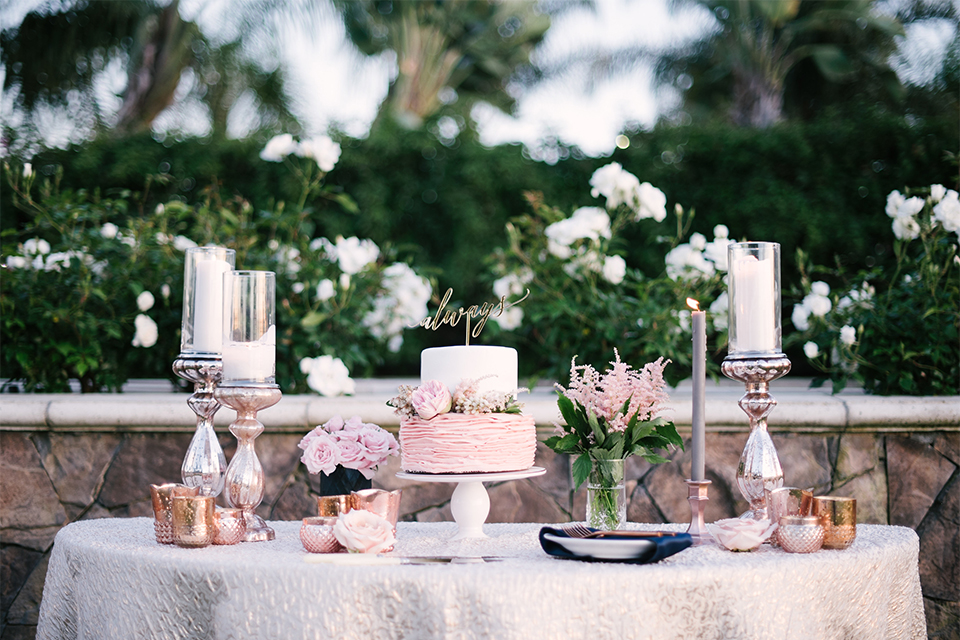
(604, 548)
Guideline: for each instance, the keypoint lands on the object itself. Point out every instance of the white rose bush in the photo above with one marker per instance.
(587, 296)
(895, 331)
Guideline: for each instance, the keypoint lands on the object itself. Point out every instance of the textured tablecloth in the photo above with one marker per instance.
(109, 579)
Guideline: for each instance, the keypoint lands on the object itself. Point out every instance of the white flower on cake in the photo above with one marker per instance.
(362, 531)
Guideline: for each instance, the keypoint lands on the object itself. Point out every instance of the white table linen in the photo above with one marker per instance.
(110, 579)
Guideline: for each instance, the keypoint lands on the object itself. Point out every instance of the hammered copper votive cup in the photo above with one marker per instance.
(800, 534)
(838, 516)
(230, 526)
(193, 523)
(333, 506)
(162, 495)
(316, 534)
(787, 501)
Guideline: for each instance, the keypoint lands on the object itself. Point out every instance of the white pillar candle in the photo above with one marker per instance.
(698, 443)
(208, 310)
(255, 361)
(753, 305)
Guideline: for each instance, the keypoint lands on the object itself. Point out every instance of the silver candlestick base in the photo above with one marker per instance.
(759, 467)
(204, 465)
(697, 497)
(244, 480)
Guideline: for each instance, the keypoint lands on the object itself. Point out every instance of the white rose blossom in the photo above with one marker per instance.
(947, 211)
(614, 269)
(937, 191)
(27, 169)
(353, 254)
(906, 228)
(800, 317)
(811, 350)
(146, 332)
(109, 230)
(848, 335)
(322, 149)
(36, 246)
(328, 376)
(653, 203)
(586, 223)
(325, 290)
(278, 148)
(402, 303)
(145, 301)
(685, 262)
(510, 319)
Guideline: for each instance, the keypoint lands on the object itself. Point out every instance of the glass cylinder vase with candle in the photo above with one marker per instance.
(249, 357)
(754, 293)
(200, 362)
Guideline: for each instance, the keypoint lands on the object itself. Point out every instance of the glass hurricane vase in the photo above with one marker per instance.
(606, 495)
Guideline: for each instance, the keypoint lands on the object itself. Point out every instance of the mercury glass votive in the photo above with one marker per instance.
(333, 506)
(230, 526)
(316, 534)
(800, 534)
(787, 501)
(162, 496)
(193, 523)
(839, 519)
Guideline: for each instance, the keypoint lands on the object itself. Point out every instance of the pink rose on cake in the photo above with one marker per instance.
(351, 444)
(431, 399)
(363, 531)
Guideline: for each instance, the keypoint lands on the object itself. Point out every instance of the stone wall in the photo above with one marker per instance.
(51, 478)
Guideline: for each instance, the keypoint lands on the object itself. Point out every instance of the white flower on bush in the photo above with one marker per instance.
(686, 262)
(614, 269)
(861, 297)
(513, 284)
(27, 169)
(146, 332)
(583, 262)
(289, 258)
(622, 187)
(906, 228)
(145, 301)
(322, 149)
(652, 203)
(165, 291)
(324, 247)
(16, 262)
(937, 191)
(947, 211)
(510, 319)
(182, 243)
(278, 148)
(800, 317)
(402, 303)
(719, 309)
(716, 251)
(325, 290)
(586, 223)
(848, 335)
(353, 254)
(328, 376)
(344, 281)
(818, 300)
(811, 350)
(109, 230)
(36, 246)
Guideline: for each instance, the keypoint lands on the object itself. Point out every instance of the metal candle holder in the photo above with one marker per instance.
(759, 467)
(244, 480)
(204, 464)
(697, 497)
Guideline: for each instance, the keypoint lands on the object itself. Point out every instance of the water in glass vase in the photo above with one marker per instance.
(606, 495)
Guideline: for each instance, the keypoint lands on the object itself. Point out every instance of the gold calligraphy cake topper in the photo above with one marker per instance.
(483, 311)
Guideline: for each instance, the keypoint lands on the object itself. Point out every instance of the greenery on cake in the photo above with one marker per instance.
(432, 398)
(613, 416)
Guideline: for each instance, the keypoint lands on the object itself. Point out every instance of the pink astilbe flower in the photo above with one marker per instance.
(605, 395)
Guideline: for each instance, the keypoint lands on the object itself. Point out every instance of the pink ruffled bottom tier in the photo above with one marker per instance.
(466, 443)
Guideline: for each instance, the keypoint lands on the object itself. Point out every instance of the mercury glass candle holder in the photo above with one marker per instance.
(755, 359)
(200, 361)
(249, 357)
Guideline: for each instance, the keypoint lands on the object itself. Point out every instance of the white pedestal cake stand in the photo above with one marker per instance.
(470, 503)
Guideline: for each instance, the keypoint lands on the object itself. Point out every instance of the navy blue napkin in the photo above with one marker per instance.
(663, 547)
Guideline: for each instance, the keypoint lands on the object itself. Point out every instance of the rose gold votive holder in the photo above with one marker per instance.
(839, 519)
(787, 501)
(230, 526)
(193, 523)
(333, 506)
(161, 496)
(800, 534)
(316, 534)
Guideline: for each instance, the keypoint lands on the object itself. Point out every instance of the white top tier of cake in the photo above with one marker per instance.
(451, 365)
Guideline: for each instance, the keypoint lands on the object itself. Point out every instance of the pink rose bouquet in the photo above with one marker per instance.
(351, 444)
(362, 531)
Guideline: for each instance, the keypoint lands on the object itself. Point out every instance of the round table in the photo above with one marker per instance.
(110, 579)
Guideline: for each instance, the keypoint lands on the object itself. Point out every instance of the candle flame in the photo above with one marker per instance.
(693, 304)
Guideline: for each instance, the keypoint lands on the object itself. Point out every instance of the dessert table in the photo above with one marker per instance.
(110, 579)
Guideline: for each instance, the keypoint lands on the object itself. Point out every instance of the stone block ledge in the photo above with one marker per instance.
(798, 408)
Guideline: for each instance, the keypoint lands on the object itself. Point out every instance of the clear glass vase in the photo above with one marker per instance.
(606, 495)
